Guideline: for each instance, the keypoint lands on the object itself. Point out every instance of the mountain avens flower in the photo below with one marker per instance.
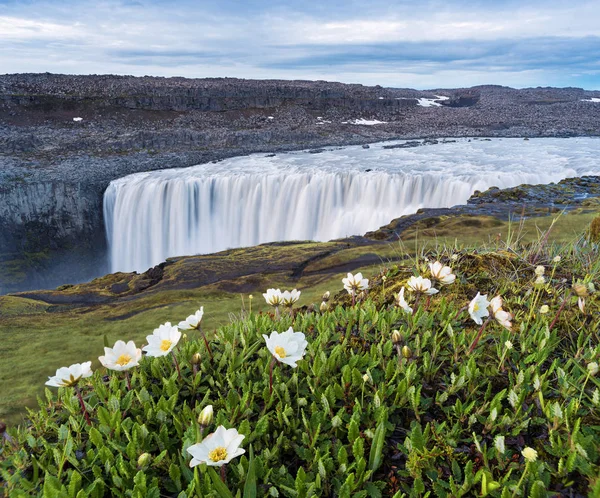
(355, 283)
(529, 454)
(443, 274)
(478, 308)
(501, 316)
(192, 321)
(323, 307)
(70, 376)
(402, 302)
(422, 285)
(121, 356)
(290, 297)
(162, 341)
(286, 347)
(218, 448)
(273, 297)
(206, 416)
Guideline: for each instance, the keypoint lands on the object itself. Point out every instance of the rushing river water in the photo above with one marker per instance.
(249, 200)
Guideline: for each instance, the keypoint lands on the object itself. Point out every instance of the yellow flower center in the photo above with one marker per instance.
(218, 454)
(165, 345)
(123, 360)
(279, 351)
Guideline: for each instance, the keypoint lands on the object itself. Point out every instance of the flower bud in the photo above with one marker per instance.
(250, 296)
(144, 460)
(580, 289)
(396, 336)
(206, 416)
(326, 296)
(592, 368)
(384, 278)
(529, 454)
(540, 280)
(184, 337)
(406, 352)
(196, 359)
(365, 378)
(540, 270)
(324, 307)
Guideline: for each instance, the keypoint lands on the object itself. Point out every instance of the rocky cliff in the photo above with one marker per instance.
(53, 169)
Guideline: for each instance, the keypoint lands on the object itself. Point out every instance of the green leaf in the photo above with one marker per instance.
(250, 486)
(377, 447)
(219, 485)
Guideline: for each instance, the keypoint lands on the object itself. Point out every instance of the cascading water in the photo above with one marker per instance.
(249, 200)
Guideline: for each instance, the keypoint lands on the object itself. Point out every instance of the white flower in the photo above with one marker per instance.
(540, 270)
(324, 307)
(402, 303)
(540, 280)
(192, 321)
(581, 304)
(529, 454)
(121, 357)
(289, 298)
(163, 340)
(592, 368)
(273, 297)
(508, 345)
(217, 448)
(420, 284)
(69, 376)
(501, 316)
(286, 347)
(478, 308)
(544, 309)
(556, 259)
(442, 273)
(355, 283)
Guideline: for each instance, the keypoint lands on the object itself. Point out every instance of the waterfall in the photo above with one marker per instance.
(255, 199)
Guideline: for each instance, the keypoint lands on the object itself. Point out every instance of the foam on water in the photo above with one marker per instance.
(249, 200)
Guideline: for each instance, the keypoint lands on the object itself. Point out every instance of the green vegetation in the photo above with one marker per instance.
(435, 411)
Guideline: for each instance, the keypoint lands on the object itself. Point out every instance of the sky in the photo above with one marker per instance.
(425, 44)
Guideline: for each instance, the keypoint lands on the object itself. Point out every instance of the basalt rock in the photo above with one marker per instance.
(53, 170)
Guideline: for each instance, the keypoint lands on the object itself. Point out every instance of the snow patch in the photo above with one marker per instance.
(77, 120)
(365, 122)
(270, 117)
(593, 99)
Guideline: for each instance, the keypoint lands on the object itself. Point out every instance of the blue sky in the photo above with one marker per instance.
(426, 44)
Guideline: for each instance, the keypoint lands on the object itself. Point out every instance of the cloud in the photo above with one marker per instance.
(430, 44)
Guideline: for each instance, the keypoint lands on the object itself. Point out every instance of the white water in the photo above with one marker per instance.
(249, 200)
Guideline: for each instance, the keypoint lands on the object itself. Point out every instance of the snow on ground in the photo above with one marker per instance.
(270, 117)
(425, 102)
(77, 119)
(321, 121)
(593, 99)
(364, 122)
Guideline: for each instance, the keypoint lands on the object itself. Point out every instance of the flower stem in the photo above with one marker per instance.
(128, 379)
(176, 364)
(562, 307)
(207, 346)
(224, 473)
(521, 480)
(476, 341)
(83, 409)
